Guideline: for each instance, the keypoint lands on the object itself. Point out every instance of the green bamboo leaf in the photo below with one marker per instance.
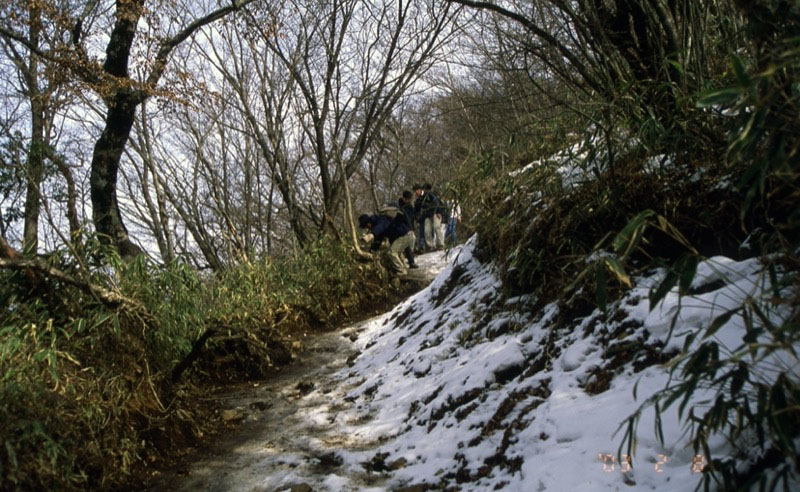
(11, 456)
(751, 337)
(689, 341)
(719, 321)
(687, 396)
(614, 265)
(744, 134)
(677, 66)
(686, 268)
(766, 322)
(718, 97)
(741, 74)
(773, 280)
(656, 295)
(658, 425)
(600, 291)
(696, 364)
(673, 395)
(738, 378)
(629, 237)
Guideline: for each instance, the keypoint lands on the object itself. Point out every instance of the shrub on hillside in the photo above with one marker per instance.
(88, 390)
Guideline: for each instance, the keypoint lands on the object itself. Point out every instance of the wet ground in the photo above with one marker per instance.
(287, 437)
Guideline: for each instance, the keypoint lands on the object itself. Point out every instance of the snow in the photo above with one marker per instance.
(434, 378)
(442, 393)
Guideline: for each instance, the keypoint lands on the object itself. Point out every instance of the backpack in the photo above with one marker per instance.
(399, 221)
(391, 212)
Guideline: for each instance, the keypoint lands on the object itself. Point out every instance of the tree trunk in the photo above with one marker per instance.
(105, 167)
(35, 170)
(122, 100)
(72, 194)
(35, 165)
(119, 121)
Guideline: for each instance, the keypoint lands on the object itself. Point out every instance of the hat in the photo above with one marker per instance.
(363, 221)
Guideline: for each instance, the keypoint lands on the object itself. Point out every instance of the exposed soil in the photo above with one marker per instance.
(268, 439)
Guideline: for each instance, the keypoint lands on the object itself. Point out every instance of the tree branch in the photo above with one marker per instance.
(25, 42)
(77, 28)
(170, 44)
(88, 70)
(109, 298)
(539, 32)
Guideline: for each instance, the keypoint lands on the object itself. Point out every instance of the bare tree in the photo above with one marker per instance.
(351, 63)
(262, 93)
(150, 44)
(314, 93)
(156, 215)
(42, 86)
(635, 58)
(122, 102)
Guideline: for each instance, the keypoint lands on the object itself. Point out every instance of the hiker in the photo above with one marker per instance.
(450, 235)
(395, 230)
(428, 209)
(417, 218)
(407, 208)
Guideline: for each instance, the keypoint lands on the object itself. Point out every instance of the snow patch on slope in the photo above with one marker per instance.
(468, 391)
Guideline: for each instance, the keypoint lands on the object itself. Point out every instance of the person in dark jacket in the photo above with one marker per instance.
(407, 208)
(395, 230)
(428, 209)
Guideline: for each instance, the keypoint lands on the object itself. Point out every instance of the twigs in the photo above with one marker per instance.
(108, 297)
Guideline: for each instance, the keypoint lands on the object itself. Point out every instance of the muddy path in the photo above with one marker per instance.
(287, 435)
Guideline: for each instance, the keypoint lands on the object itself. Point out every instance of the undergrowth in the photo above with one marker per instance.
(581, 245)
(574, 229)
(87, 392)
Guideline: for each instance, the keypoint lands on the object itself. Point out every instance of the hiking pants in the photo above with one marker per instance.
(434, 235)
(450, 232)
(409, 252)
(396, 253)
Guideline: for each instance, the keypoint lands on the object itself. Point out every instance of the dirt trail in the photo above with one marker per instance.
(288, 438)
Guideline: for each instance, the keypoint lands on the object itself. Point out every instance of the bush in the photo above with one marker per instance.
(261, 309)
(86, 384)
(579, 242)
(750, 393)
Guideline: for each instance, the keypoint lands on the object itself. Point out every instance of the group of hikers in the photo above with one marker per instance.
(420, 222)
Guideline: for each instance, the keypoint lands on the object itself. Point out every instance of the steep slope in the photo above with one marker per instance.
(463, 388)
(471, 390)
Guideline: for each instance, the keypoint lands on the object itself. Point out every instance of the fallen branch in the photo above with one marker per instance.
(193, 355)
(108, 297)
(199, 345)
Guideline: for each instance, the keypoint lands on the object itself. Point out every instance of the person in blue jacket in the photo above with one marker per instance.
(395, 230)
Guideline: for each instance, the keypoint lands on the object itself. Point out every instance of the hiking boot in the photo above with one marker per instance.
(413, 265)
